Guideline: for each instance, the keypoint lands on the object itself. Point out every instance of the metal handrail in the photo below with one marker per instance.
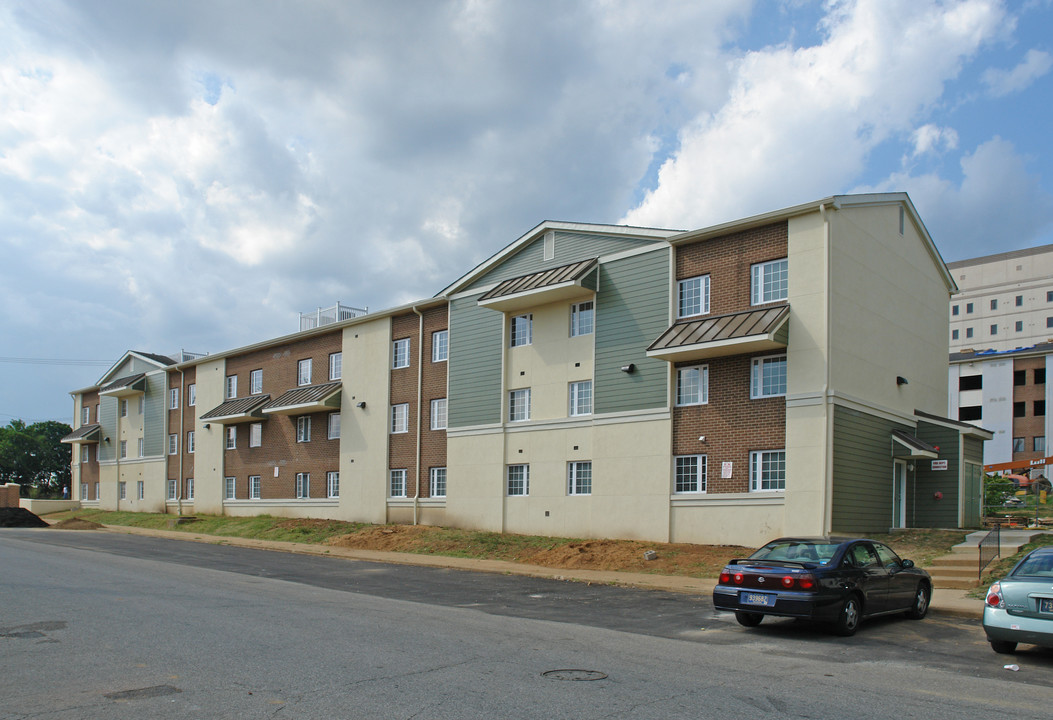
(989, 547)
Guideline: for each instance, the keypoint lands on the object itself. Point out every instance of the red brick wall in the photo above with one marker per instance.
(188, 378)
(89, 471)
(1030, 426)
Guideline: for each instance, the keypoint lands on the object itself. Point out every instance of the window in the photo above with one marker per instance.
(579, 478)
(254, 487)
(97, 409)
(142, 447)
(303, 485)
(994, 329)
(1039, 443)
(1019, 326)
(581, 318)
(97, 491)
(518, 480)
(332, 484)
(124, 408)
(173, 399)
(400, 353)
(549, 246)
(232, 437)
(522, 330)
(1049, 296)
(173, 444)
(968, 308)
(122, 489)
(519, 405)
(954, 309)
(1040, 408)
(397, 484)
(232, 387)
(768, 377)
(336, 365)
(228, 488)
(693, 296)
(191, 394)
(171, 489)
(692, 385)
(189, 488)
(255, 434)
(140, 489)
(303, 372)
(971, 382)
(440, 346)
(769, 282)
(690, 474)
(767, 470)
(581, 398)
(85, 415)
(124, 448)
(994, 304)
(438, 414)
(141, 404)
(190, 442)
(1019, 300)
(437, 482)
(256, 382)
(1020, 409)
(84, 457)
(968, 332)
(1049, 322)
(954, 334)
(400, 418)
(334, 426)
(303, 429)
(970, 413)
(84, 491)
(1020, 377)
(1018, 444)
(1040, 376)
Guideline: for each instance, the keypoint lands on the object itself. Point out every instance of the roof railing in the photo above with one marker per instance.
(327, 316)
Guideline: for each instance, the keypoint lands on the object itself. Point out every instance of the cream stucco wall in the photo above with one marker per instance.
(208, 443)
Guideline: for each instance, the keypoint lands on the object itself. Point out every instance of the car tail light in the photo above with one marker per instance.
(787, 581)
(994, 596)
(725, 577)
(738, 578)
(807, 582)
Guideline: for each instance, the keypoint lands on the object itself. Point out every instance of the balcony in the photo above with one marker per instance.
(328, 316)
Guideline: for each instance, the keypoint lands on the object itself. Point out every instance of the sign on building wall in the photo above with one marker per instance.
(725, 470)
(939, 464)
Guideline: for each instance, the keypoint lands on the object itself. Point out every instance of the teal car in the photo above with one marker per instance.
(1019, 608)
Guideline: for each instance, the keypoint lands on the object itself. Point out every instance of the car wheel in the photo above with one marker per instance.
(748, 619)
(848, 619)
(1003, 647)
(921, 602)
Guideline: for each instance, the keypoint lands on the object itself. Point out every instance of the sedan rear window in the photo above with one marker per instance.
(796, 551)
(1036, 566)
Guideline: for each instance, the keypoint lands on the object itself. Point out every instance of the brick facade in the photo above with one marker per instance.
(1032, 395)
(181, 423)
(89, 471)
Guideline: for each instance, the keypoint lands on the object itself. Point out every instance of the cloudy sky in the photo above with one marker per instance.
(192, 174)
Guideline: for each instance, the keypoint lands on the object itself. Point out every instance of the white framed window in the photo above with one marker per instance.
(332, 484)
(191, 394)
(517, 480)
(400, 350)
(255, 382)
(84, 491)
(228, 488)
(303, 429)
(689, 474)
(190, 442)
(173, 444)
(519, 405)
(437, 482)
(85, 415)
(769, 282)
(549, 246)
(173, 398)
(521, 330)
(84, 453)
(581, 318)
(581, 398)
(140, 489)
(334, 426)
(171, 488)
(141, 404)
(124, 408)
(122, 489)
(693, 296)
(579, 478)
(692, 385)
(124, 448)
(440, 346)
(97, 497)
(141, 447)
(400, 418)
(438, 414)
(254, 487)
(768, 378)
(336, 366)
(98, 409)
(231, 389)
(303, 372)
(397, 484)
(767, 470)
(232, 437)
(255, 434)
(303, 485)
(189, 489)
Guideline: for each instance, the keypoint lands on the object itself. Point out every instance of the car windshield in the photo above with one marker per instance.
(796, 551)
(1036, 566)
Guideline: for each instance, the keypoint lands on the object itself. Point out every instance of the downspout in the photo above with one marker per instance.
(179, 442)
(828, 450)
(420, 409)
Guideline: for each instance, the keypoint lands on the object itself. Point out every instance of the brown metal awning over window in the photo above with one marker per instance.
(303, 400)
(122, 387)
(905, 445)
(237, 411)
(734, 334)
(566, 282)
(84, 434)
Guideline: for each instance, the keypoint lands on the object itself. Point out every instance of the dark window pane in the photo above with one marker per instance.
(1040, 408)
(1040, 376)
(971, 382)
(970, 412)
(1020, 377)
(1020, 409)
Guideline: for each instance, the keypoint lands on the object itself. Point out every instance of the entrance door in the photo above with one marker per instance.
(899, 493)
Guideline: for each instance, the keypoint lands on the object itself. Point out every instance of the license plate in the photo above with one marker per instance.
(757, 599)
(1045, 605)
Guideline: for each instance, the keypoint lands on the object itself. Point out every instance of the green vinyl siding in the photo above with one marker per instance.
(929, 510)
(974, 449)
(107, 428)
(154, 409)
(632, 309)
(476, 347)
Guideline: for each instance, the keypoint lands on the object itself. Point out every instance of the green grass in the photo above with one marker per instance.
(1001, 566)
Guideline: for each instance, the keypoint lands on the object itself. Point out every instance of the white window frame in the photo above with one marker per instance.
(255, 435)
(303, 486)
(141, 405)
(397, 483)
(173, 398)
(190, 488)
(173, 444)
(769, 282)
(684, 484)
(440, 346)
(579, 477)
(521, 486)
(580, 398)
(122, 490)
(141, 446)
(255, 487)
(437, 482)
(399, 418)
(229, 488)
(700, 385)
(685, 290)
(256, 382)
(758, 459)
(190, 442)
(124, 408)
(332, 484)
(85, 415)
(231, 437)
(84, 456)
(140, 489)
(84, 491)
(231, 387)
(191, 394)
(124, 448)
(303, 429)
(438, 414)
(336, 366)
(519, 405)
(757, 376)
(334, 426)
(400, 352)
(303, 371)
(171, 489)
(582, 319)
(521, 330)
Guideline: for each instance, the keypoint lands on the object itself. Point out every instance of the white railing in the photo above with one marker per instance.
(329, 315)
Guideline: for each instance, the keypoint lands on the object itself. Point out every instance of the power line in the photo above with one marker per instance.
(55, 361)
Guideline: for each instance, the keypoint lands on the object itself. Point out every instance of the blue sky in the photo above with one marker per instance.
(192, 175)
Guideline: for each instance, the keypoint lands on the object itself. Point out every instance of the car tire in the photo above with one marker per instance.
(920, 608)
(1003, 647)
(849, 617)
(748, 619)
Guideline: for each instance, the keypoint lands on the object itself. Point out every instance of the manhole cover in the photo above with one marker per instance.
(574, 675)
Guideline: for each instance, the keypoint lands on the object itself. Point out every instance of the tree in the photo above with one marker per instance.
(34, 456)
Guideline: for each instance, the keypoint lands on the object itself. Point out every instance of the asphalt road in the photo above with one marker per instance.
(103, 625)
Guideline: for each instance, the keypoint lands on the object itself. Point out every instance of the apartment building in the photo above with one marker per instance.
(783, 373)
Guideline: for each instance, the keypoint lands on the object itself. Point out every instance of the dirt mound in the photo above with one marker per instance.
(19, 518)
(385, 537)
(75, 523)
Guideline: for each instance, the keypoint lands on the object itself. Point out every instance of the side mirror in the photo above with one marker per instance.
(908, 564)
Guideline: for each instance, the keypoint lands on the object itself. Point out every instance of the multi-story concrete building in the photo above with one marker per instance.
(784, 373)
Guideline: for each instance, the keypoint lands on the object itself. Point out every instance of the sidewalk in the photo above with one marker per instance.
(944, 602)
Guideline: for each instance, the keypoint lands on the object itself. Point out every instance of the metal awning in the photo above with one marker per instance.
(905, 445)
(303, 400)
(122, 387)
(84, 434)
(733, 334)
(237, 411)
(566, 282)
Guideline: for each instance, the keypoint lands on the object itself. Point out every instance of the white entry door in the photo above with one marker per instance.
(899, 493)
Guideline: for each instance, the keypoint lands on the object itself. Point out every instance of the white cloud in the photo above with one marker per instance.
(931, 138)
(1000, 83)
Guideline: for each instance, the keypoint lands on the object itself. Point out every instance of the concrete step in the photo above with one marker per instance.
(955, 583)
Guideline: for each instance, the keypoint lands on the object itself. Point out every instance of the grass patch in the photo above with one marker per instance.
(922, 546)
